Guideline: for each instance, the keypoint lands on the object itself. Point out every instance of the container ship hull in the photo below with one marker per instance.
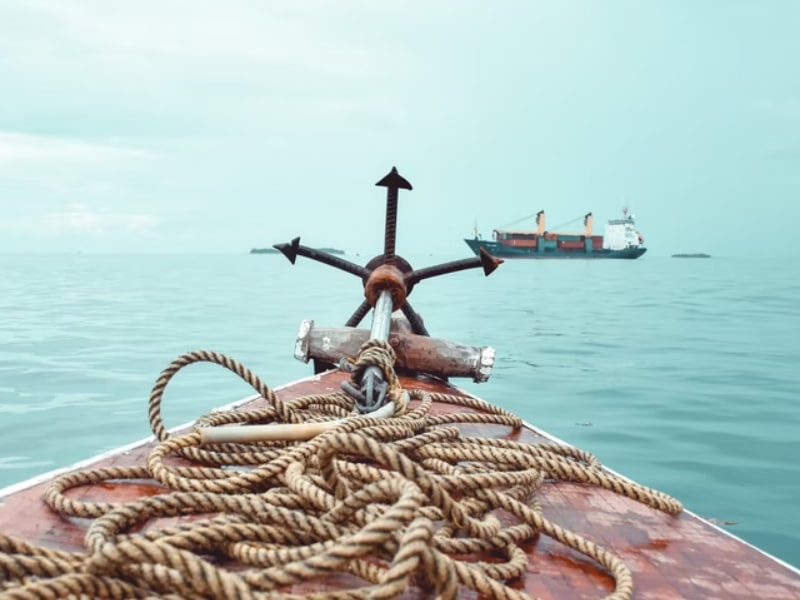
(621, 240)
(509, 251)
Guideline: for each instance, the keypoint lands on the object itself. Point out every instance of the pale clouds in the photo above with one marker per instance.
(175, 41)
(45, 179)
(81, 219)
(23, 147)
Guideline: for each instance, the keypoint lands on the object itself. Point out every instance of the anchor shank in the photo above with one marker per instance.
(392, 182)
(391, 225)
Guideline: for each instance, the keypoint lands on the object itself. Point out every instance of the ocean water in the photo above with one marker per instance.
(679, 373)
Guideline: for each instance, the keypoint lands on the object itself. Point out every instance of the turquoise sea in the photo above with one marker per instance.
(680, 373)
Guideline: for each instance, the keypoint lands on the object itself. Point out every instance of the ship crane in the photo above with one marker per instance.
(568, 223)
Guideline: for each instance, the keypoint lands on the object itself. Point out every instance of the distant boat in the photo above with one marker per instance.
(274, 251)
(692, 255)
(621, 240)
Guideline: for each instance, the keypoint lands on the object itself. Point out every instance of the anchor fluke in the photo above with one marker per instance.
(395, 180)
(489, 262)
(289, 250)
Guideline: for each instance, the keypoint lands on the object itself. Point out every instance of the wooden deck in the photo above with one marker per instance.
(670, 557)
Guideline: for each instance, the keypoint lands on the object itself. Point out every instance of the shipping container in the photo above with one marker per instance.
(571, 244)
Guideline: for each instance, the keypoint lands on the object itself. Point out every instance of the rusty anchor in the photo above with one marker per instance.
(388, 280)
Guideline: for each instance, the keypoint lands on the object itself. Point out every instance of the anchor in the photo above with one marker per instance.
(388, 280)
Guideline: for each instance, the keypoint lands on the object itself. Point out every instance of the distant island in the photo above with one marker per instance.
(692, 255)
(274, 251)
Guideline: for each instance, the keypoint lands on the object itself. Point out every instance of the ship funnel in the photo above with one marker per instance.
(587, 223)
(540, 222)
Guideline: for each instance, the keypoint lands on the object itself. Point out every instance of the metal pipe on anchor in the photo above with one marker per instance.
(386, 291)
(381, 317)
(372, 393)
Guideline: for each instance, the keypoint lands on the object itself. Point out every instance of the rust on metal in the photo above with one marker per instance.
(386, 278)
(393, 182)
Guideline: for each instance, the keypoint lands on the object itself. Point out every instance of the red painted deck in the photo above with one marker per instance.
(670, 557)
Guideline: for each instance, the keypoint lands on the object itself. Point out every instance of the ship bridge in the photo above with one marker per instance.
(622, 233)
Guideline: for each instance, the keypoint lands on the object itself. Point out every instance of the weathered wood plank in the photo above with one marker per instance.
(442, 358)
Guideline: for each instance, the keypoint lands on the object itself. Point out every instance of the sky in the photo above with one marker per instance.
(198, 126)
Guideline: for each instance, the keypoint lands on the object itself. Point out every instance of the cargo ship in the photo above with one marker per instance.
(621, 240)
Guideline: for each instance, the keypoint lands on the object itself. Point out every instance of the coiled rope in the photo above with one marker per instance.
(377, 505)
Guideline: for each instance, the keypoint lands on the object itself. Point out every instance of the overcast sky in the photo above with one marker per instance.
(197, 126)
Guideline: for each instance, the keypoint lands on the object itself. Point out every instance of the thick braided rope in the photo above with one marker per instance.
(154, 407)
(376, 353)
(392, 503)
